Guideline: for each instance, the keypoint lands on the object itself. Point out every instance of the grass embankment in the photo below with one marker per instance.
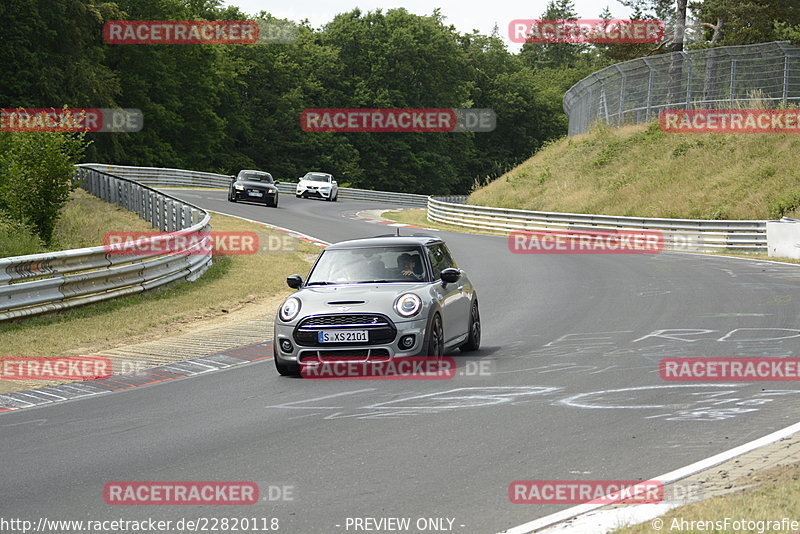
(83, 223)
(258, 281)
(642, 171)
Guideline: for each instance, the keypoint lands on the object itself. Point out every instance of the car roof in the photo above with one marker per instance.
(319, 173)
(387, 241)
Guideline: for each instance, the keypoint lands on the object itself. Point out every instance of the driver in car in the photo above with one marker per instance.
(407, 264)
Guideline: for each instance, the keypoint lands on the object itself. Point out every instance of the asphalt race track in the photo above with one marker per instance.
(573, 343)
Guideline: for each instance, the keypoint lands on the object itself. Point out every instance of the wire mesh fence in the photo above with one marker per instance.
(763, 75)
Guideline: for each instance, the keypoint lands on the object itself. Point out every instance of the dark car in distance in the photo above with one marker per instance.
(254, 186)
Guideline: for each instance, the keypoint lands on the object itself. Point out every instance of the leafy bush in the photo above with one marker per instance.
(36, 177)
(16, 239)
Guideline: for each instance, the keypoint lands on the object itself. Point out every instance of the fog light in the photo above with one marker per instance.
(406, 342)
(286, 345)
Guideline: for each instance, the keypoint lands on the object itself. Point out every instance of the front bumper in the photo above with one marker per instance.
(245, 195)
(314, 193)
(315, 352)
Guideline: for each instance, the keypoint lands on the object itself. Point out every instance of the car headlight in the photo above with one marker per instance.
(239, 187)
(289, 309)
(408, 305)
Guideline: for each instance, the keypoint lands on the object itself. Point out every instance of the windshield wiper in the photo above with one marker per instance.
(319, 283)
(373, 282)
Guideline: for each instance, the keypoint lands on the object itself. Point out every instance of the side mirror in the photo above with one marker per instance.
(294, 281)
(277, 182)
(450, 275)
(333, 182)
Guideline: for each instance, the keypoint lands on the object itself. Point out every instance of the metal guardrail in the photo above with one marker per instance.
(764, 75)
(162, 177)
(679, 234)
(40, 283)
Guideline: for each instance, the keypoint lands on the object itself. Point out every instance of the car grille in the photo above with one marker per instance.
(380, 328)
(316, 356)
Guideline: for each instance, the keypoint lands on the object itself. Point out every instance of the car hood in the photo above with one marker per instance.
(255, 185)
(357, 298)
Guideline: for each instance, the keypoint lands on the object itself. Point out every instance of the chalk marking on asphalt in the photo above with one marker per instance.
(288, 406)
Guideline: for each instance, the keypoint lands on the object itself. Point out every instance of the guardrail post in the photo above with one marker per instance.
(621, 112)
(688, 78)
(114, 191)
(147, 206)
(128, 204)
(186, 222)
(785, 80)
(88, 182)
(170, 213)
(141, 202)
(162, 214)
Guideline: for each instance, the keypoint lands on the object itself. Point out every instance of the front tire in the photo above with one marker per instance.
(474, 340)
(435, 346)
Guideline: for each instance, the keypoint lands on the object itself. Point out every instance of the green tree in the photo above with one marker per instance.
(36, 177)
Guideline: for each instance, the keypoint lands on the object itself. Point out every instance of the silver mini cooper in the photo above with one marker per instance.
(375, 299)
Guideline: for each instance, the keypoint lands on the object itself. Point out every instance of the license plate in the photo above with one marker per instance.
(255, 194)
(343, 336)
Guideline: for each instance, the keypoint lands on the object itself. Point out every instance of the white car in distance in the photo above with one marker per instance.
(318, 185)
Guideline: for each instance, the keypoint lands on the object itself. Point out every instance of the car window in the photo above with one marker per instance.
(373, 264)
(318, 177)
(253, 177)
(440, 259)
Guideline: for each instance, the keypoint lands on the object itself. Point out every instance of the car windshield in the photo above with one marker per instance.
(256, 177)
(365, 265)
(317, 177)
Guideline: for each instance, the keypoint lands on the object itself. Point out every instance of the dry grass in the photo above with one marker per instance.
(230, 284)
(642, 171)
(83, 222)
(776, 495)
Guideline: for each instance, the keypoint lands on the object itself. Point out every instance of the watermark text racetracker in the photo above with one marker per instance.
(201, 243)
(88, 120)
(194, 493)
(54, 368)
(586, 242)
(585, 491)
(730, 120)
(199, 32)
(729, 369)
(586, 31)
(427, 120)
